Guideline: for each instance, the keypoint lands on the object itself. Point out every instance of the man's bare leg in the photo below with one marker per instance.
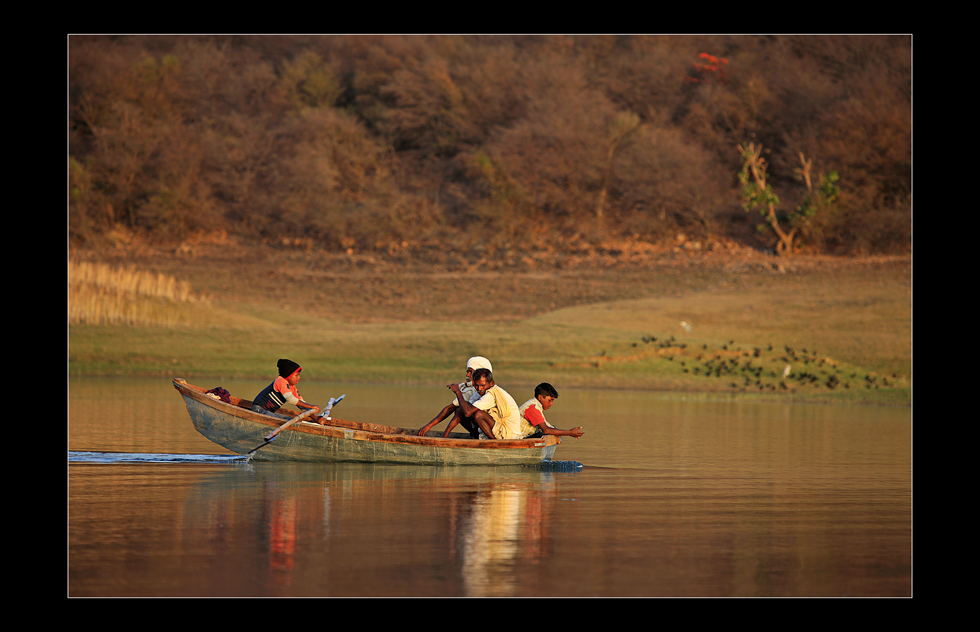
(485, 421)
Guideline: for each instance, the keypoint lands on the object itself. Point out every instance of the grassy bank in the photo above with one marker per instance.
(715, 327)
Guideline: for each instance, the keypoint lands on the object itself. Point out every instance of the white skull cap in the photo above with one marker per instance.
(479, 362)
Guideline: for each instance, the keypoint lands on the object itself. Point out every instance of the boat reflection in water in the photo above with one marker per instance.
(458, 531)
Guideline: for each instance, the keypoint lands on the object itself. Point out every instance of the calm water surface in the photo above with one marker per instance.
(674, 498)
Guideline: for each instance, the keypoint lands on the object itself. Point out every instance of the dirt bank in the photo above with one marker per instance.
(435, 284)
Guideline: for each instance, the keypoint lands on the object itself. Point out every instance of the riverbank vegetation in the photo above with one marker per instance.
(396, 143)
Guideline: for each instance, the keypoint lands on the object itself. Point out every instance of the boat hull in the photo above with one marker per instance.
(238, 429)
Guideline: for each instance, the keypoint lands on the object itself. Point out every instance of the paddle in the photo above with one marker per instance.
(269, 438)
(333, 402)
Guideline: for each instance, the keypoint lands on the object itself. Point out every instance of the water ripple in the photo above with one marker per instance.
(142, 457)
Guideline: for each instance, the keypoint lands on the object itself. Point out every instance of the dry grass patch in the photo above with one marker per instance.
(102, 294)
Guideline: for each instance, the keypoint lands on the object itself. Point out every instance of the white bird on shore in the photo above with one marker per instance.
(686, 326)
(786, 372)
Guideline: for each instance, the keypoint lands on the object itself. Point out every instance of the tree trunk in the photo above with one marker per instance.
(757, 168)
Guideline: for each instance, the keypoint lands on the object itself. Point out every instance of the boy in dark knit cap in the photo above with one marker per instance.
(282, 391)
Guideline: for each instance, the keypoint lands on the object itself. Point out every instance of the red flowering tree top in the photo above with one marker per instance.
(710, 69)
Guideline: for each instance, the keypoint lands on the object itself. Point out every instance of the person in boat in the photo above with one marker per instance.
(468, 391)
(282, 391)
(533, 422)
(495, 412)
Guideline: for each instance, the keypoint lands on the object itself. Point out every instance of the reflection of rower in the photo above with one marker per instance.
(492, 543)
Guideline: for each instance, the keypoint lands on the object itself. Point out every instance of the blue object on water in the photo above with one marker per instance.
(561, 466)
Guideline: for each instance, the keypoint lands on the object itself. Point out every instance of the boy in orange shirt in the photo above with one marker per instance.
(282, 391)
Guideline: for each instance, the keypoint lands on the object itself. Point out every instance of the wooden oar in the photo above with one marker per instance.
(269, 438)
(333, 402)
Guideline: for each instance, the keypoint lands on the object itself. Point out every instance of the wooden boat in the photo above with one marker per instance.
(234, 426)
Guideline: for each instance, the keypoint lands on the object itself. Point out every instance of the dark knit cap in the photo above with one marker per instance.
(287, 367)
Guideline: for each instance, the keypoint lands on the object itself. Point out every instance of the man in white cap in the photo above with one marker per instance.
(493, 410)
(468, 392)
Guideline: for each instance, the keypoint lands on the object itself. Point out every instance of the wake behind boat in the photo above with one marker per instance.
(235, 427)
